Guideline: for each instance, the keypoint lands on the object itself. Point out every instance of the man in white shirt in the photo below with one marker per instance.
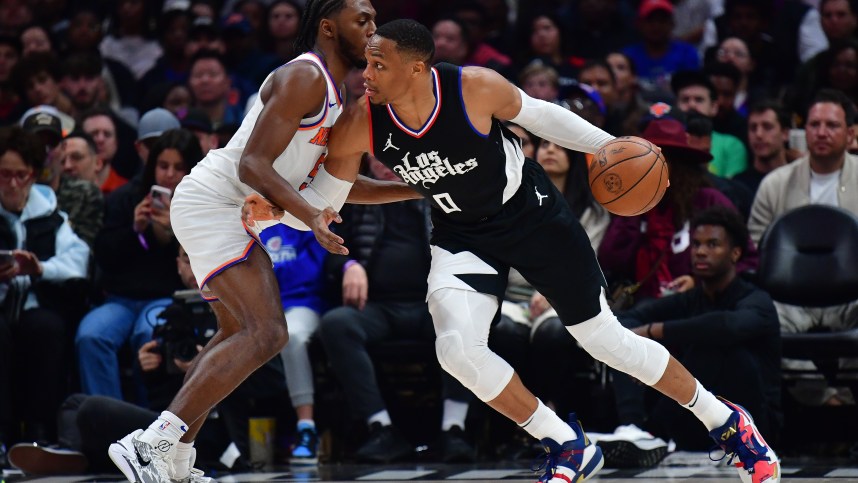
(827, 175)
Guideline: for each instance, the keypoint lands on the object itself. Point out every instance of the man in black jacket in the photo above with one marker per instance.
(721, 323)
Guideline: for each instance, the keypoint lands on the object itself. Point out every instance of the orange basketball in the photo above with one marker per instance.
(628, 176)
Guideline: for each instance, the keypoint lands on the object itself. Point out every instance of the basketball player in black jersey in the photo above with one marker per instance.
(439, 128)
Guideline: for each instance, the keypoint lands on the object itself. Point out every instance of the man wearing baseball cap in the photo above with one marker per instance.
(152, 124)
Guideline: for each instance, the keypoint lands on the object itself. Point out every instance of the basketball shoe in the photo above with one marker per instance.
(571, 462)
(196, 476)
(140, 462)
(745, 447)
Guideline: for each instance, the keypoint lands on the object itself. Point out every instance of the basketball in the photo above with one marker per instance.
(628, 176)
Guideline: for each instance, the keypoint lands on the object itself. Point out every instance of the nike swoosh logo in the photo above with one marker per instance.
(332, 105)
(183, 428)
(140, 459)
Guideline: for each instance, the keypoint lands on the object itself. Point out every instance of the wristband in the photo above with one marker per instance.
(649, 331)
(348, 265)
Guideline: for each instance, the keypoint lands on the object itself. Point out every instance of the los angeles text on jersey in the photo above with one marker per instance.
(429, 168)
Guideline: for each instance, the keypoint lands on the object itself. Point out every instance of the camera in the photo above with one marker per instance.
(188, 322)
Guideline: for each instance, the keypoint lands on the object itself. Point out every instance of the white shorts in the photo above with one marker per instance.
(207, 222)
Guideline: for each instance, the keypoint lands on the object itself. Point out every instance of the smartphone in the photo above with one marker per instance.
(160, 196)
(6, 257)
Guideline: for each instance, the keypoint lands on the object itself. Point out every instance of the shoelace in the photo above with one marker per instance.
(742, 450)
(548, 462)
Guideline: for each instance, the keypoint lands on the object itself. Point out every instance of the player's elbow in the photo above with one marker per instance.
(246, 171)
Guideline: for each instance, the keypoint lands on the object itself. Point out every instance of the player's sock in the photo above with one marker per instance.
(454, 414)
(182, 459)
(708, 409)
(544, 423)
(168, 426)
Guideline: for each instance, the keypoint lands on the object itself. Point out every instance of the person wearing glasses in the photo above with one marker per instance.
(37, 249)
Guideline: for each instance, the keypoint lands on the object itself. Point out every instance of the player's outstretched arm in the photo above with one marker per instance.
(488, 94)
(348, 144)
(293, 92)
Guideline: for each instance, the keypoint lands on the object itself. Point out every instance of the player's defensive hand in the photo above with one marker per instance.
(328, 239)
(257, 208)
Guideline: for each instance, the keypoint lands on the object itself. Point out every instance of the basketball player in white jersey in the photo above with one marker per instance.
(438, 127)
(276, 151)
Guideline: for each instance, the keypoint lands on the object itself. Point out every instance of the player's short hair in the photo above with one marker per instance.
(314, 12)
(411, 37)
(728, 218)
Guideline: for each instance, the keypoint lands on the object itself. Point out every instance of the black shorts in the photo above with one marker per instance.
(536, 233)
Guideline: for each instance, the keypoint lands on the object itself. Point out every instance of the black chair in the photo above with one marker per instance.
(809, 258)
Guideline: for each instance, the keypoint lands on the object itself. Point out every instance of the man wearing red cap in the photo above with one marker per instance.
(658, 55)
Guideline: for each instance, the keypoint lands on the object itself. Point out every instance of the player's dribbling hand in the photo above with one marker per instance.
(328, 239)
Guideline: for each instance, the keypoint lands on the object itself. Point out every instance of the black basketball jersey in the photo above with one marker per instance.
(467, 176)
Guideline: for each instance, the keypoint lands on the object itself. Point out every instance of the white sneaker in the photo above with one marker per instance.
(631, 447)
(139, 461)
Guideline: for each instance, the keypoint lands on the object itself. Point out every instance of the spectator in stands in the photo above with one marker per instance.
(658, 56)
(827, 175)
(173, 65)
(248, 65)
(659, 240)
(598, 28)
(835, 68)
(768, 133)
(726, 78)
(136, 252)
(839, 19)
(152, 125)
(198, 122)
(384, 298)
(540, 81)
(34, 337)
(36, 39)
(102, 126)
(82, 82)
(630, 105)
(37, 79)
(11, 105)
(72, 174)
(130, 37)
(451, 41)
(14, 15)
(299, 266)
(475, 18)
(281, 29)
(599, 75)
(213, 90)
(204, 35)
(722, 319)
(695, 92)
(751, 85)
(548, 47)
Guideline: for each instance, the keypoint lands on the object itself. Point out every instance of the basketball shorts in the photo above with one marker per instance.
(207, 222)
(535, 232)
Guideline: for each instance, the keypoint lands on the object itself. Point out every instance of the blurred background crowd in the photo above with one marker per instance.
(752, 102)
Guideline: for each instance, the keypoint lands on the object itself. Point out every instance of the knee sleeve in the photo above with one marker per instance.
(462, 320)
(604, 338)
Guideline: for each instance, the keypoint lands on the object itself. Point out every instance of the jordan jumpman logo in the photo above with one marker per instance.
(389, 143)
(539, 196)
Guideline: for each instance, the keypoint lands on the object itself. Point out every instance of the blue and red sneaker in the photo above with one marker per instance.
(744, 445)
(571, 462)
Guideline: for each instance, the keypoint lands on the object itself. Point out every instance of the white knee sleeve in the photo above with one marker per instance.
(462, 320)
(604, 338)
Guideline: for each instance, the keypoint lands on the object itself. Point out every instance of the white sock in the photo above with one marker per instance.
(382, 417)
(708, 409)
(167, 427)
(455, 413)
(182, 459)
(306, 423)
(544, 423)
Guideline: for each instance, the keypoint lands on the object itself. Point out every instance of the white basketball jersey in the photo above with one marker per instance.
(297, 164)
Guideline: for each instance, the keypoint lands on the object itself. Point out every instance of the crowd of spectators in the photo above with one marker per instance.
(106, 105)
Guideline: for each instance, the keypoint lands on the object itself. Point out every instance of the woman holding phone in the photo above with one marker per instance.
(136, 256)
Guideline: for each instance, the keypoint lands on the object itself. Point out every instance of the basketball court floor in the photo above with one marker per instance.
(705, 473)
